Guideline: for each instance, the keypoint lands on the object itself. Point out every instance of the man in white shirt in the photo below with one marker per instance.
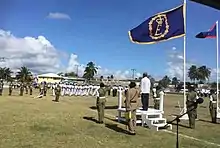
(145, 91)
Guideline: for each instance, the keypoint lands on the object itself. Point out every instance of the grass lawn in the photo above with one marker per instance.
(26, 122)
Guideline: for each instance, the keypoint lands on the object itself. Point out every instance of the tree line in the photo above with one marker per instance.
(197, 75)
(23, 75)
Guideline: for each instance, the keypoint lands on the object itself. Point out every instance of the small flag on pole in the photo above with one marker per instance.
(211, 33)
(160, 27)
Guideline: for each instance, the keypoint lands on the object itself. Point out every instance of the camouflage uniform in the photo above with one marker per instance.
(191, 107)
(26, 88)
(131, 104)
(57, 93)
(30, 89)
(10, 88)
(213, 107)
(21, 89)
(1, 87)
(100, 103)
(45, 89)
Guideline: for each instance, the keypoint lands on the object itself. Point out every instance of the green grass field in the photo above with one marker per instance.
(26, 122)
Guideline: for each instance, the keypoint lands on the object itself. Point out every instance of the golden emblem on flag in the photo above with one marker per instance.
(158, 26)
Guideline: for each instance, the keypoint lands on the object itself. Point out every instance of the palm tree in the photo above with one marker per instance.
(193, 73)
(24, 75)
(165, 81)
(5, 73)
(203, 73)
(90, 71)
(175, 81)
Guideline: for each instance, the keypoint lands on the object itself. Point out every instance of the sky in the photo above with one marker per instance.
(56, 35)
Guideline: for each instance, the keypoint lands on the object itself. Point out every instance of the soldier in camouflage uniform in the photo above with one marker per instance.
(213, 106)
(131, 105)
(21, 89)
(191, 106)
(1, 87)
(30, 88)
(100, 103)
(57, 93)
(45, 88)
(10, 88)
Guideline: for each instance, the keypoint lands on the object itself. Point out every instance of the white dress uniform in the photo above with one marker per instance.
(53, 89)
(96, 90)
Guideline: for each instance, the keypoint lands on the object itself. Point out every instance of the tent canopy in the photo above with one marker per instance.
(211, 3)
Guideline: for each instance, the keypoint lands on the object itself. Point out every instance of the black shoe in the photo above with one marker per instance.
(100, 122)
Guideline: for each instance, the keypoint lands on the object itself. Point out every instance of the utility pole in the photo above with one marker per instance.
(133, 72)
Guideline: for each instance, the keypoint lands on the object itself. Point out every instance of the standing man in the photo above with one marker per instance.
(30, 88)
(191, 106)
(45, 88)
(10, 88)
(21, 88)
(1, 87)
(131, 105)
(100, 103)
(213, 106)
(145, 91)
(57, 93)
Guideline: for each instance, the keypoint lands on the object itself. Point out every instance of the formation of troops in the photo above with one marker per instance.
(100, 91)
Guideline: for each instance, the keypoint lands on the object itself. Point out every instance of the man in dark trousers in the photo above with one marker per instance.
(213, 106)
(100, 103)
(191, 106)
(145, 91)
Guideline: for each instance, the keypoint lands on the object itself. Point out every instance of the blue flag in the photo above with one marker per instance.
(208, 34)
(160, 27)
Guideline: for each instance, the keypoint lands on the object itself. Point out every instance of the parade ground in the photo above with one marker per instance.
(26, 122)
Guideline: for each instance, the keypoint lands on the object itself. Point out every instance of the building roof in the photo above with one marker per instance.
(51, 75)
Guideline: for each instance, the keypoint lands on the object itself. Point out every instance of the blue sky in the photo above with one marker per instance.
(98, 30)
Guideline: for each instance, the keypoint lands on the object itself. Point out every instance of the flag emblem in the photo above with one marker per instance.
(158, 26)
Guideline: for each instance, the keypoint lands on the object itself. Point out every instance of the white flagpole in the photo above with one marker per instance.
(184, 67)
(184, 63)
(217, 65)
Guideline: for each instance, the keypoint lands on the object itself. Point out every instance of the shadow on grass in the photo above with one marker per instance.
(91, 119)
(179, 125)
(202, 120)
(107, 107)
(115, 128)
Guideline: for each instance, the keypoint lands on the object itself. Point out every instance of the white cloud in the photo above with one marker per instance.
(175, 64)
(213, 76)
(38, 54)
(58, 15)
(119, 74)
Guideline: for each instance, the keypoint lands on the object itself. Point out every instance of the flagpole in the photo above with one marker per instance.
(217, 66)
(184, 69)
